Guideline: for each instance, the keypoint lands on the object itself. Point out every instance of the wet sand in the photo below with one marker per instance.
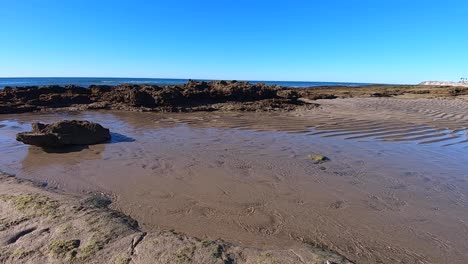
(393, 192)
(40, 225)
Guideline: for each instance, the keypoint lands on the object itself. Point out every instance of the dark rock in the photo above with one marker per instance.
(99, 89)
(194, 95)
(267, 105)
(96, 201)
(380, 94)
(458, 91)
(323, 96)
(64, 133)
(142, 98)
(168, 97)
(74, 89)
(16, 109)
(289, 94)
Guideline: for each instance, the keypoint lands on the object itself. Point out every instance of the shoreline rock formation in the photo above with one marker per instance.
(64, 133)
(198, 96)
(193, 96)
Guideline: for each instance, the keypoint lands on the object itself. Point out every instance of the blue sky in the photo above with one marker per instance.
(388, 41)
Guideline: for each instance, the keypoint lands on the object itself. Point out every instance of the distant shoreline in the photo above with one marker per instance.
(444, 83)
(114, 81)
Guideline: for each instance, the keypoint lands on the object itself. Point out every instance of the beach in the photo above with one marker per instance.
(233, 132)
(392, 190)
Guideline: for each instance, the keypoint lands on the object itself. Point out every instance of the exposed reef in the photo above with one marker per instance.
(199, 96)
(193, 96)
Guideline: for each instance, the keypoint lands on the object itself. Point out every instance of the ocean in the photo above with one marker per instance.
(86, 82)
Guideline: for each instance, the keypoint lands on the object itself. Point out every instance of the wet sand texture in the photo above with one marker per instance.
(383, 197)
(39, 226)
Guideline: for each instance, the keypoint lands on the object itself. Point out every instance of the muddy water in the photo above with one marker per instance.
(394, 190)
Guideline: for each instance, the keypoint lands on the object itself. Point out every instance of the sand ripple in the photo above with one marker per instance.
(423, 121)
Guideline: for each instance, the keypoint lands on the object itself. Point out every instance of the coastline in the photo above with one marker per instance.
(201, 96)
(245, 173)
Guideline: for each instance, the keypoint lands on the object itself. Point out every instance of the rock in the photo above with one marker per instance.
(317, 158)
(267, 105)
(197, 96)
(323, 96)
(458, 91)
(384, 94)
(16, 109)
(190, 96)
(64, 133)
(289, 94)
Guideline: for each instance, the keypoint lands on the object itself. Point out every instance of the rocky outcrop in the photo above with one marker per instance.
(64, 133)
(202, 96)
(192, 96)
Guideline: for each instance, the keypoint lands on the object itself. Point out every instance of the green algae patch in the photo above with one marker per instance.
(318, 158)
(33, 204)
(185, 254)
(20, 253)
(122, 259)
(90, 248)
(64, 248)
(266, 258)
(65, 228)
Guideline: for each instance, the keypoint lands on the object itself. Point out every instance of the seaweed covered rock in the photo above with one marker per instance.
(194, 94)
(64, 133)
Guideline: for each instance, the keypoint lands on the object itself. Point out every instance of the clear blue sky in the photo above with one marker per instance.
(389, 41)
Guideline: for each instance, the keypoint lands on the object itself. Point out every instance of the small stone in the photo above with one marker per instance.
(317, 158)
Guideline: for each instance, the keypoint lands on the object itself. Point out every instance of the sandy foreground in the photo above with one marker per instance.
(41, 226)
(393, 191)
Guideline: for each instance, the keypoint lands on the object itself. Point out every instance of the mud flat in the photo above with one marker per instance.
(393, 190)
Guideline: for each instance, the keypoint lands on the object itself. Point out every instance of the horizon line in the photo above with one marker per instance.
(197, 79)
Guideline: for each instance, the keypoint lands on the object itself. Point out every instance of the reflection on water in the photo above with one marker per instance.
(118, 138)
(37, 157)
(247, 177)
